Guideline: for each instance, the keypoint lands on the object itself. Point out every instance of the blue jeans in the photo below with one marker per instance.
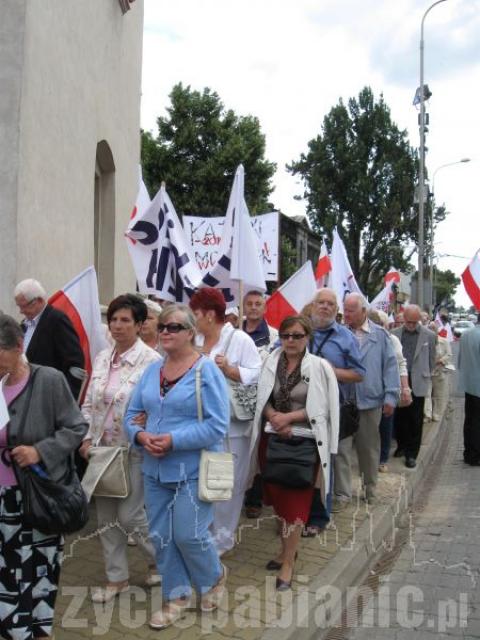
(179, 531)
(386, 428)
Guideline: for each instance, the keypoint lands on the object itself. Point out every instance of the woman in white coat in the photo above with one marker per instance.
(297, 397)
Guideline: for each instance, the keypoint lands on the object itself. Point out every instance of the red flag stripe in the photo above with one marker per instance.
(60, 301)
(324, 266)
(471, 287)
(277, 309)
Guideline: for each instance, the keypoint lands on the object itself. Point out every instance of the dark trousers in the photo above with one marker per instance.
(253, 496)
(409, 426)
(386, 426)
(471, 430)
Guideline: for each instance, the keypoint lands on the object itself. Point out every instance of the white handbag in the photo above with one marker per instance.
(216, 475)
(107, 474)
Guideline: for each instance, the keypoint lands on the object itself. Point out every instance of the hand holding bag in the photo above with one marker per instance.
(51, 507)
(243, 397)
(216, 471)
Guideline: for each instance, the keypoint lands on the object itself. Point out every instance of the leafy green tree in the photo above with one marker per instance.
(359, 175)
(445, 286)
(197, 150)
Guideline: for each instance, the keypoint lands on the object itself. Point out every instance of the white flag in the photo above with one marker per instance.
(341, 278)
(238, 255)
(161, 256)
(4, 416)
(384, 299)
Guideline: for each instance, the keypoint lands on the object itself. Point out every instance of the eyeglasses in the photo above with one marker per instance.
(171, 327)
(293, 336)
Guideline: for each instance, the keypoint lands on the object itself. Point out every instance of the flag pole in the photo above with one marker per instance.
(240, 303)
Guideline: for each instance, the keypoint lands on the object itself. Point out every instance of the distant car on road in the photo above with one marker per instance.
(461, 326)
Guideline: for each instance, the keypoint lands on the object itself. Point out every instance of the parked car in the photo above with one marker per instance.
(461, 326)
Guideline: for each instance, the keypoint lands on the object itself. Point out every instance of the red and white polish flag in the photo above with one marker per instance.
(79, 301)
(471, 280)
(392, 275)
(292, 296)
(444, 330)
(324, 266)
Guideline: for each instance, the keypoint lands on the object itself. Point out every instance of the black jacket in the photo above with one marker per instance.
(55, 344)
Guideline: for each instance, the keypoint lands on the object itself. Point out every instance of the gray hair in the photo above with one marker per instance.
(153, 306)
(359, 298)
(11, 334)
(188, 316)
(30, 289)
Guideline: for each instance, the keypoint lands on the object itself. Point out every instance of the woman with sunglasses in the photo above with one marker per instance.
(297, 398)
(172, 440)
(115, 373)
(237, 357)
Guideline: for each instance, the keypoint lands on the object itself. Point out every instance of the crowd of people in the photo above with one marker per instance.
(326, 385)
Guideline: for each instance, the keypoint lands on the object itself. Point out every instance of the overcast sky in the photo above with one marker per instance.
(289, 61)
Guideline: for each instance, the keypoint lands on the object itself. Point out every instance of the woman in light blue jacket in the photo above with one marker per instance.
(172, 441)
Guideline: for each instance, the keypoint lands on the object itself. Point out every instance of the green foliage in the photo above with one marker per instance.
(359, 175)
(197, 150)
(288, 261)
(445, 285)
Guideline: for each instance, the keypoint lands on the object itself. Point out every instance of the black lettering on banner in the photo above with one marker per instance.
(152, 269)
(162, 268)
(149, 229)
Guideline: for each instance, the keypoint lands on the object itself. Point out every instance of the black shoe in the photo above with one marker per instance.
(398, 453)
(283, 585)
(411, 463)
(274, 565)
(253, 512)
(312, 531)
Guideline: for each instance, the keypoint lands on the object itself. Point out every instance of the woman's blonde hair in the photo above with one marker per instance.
(189, 319)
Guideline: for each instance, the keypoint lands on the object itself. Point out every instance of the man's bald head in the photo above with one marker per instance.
(411, 317)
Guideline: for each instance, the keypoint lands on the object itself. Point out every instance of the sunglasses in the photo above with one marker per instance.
(294, 336)
(171, 327)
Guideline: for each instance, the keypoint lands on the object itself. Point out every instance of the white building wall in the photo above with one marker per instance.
(80, 85)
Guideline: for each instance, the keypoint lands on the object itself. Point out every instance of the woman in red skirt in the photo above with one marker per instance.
(297, 423)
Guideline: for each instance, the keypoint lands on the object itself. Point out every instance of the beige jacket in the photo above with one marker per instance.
(94, 409)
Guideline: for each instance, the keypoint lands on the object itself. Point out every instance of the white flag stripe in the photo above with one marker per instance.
(341, 280)
(300, 288)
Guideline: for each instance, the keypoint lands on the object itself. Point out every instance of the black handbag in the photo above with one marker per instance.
(291, 462)
(51, 507)
(349, 420)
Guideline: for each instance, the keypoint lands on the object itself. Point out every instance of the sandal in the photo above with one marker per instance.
(108, 593)
(211, 600)
(169, 614)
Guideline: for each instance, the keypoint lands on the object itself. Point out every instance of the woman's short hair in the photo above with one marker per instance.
(128, 301)
(11, 334)
(209, 299)
(289, 321)
(188, 317)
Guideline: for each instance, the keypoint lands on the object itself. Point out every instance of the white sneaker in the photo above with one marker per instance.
(152, 580)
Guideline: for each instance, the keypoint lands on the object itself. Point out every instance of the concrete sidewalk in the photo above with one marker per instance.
(253, 609)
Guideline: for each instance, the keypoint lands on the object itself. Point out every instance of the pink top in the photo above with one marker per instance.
(7, 474)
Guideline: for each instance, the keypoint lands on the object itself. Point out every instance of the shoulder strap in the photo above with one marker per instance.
(229, 340)
(198, 394)
(198, 390)
(26, 405)
(325, 339)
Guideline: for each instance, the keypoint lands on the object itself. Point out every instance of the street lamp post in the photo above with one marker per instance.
(421, 172)
(442, 166)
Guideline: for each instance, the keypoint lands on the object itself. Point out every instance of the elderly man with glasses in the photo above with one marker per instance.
(50, 338)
